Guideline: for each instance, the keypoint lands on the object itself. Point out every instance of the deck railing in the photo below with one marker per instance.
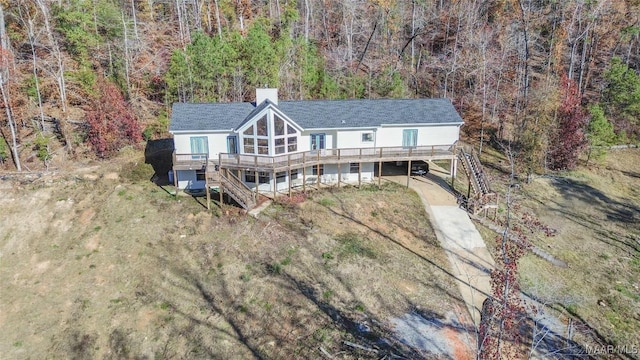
(333, 156)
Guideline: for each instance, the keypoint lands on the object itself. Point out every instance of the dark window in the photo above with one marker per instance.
(354, 168)
(263, 146)
(249, 131)
(294, 174)
(279, 146)
(232, 144)
(317, 141)
(249, 146)
(367, 137)
(262, 126)
(281, 177)
(315, 170)
(200, 175)
(278, 125)
(263, 177)
(250, 177)
(292, 143)
(290, 129)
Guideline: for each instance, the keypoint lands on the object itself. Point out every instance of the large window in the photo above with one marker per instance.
(354, 168)
(409, 138)
(285, 136)
(257, 137)
(199, 147)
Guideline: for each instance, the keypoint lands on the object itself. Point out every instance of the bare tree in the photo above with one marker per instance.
(4, 80)
(28, 21)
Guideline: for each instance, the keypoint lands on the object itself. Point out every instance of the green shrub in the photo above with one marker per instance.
(352, 244)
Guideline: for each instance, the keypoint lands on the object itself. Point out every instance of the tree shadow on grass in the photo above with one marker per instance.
(228, 318)
(620, 213)
(211, 305)
(548, 342)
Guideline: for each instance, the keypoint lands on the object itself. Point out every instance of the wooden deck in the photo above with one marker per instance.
(219, 172)
(299, 160)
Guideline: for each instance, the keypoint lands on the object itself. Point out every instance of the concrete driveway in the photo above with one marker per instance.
(470, 260)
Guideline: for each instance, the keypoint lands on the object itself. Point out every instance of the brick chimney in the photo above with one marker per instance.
(263, 94)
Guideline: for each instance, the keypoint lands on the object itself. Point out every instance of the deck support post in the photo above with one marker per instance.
(318, 173)
(409, 171)
(220, 192)
(339, 172)
(380, 174)
(359, 174)
(304, 178)
(257, 182)
(206, 184)
(275, 185)
(289, 178)
(175, 181)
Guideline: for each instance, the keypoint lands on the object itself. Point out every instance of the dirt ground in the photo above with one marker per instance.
(102, 263)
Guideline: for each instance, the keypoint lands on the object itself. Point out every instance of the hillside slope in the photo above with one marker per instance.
(101, 263)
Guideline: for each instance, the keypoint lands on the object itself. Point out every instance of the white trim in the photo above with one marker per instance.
(286, 118)
(182, 132)
(342, 128)
(252, 121)
(273, 108)
(421, 124)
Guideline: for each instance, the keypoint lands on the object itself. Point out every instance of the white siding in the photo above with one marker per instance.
(187, 180)
(427, 135)
(348, 139)
(217, 143)
(304, 141)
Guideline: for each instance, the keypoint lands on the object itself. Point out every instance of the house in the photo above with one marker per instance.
(272, 146)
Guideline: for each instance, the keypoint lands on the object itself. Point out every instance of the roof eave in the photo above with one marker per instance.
(203, 131)
(424, 124)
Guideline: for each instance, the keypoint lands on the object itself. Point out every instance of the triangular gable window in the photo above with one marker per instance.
(271, 134)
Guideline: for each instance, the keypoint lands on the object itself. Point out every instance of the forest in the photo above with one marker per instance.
(554, 80)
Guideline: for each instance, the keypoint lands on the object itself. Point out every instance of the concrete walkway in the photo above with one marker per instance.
(468, 255)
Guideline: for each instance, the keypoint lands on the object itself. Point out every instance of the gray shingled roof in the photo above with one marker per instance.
(318, 114)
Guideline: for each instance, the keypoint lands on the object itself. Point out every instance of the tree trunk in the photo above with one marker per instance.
(218, 23)
(10, 120)
(126, 56)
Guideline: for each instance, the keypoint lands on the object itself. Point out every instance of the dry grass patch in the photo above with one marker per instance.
(596, 212)
(96, 267)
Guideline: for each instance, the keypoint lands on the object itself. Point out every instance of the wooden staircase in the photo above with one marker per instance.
(484, 198)
(236, 189)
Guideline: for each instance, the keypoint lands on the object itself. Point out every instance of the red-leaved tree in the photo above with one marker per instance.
(570, 139)
(500, 335)
(112, 124)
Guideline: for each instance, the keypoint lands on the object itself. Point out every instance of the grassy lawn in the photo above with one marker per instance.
(104, 264)
(596, 213)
